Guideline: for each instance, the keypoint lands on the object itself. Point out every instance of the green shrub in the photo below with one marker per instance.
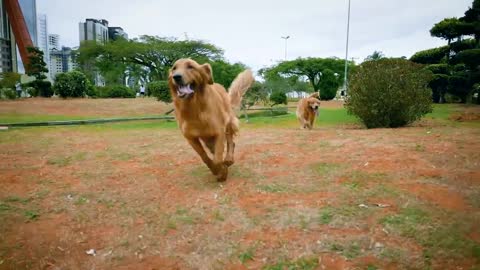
(7, 93)
(329, 84)
(114, 91)
(71, 84)
(91, 90)
(9, 79)
(431, 56)
(439, 85)
(389, 93)
(31, 91)
(42, 88)
(439, 69)
(160, 90)
(278, 98)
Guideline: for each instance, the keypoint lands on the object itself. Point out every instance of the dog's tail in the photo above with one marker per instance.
(239, 87)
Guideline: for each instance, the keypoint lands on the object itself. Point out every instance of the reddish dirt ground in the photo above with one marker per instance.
(331, 198)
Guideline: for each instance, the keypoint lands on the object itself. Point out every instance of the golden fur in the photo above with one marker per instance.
(307, 110)
(205, 111)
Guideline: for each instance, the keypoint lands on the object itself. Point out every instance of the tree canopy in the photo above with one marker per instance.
(448, 29)
(376, 55)
(456, 67)
(324, 74)
(36, 66)
(148, 57)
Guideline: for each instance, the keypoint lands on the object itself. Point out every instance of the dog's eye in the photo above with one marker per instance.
(189, 67)
(174, 68)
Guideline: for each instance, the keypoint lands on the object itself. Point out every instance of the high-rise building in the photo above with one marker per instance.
(29, 10)
(115, 32)
(61, 61)
(42, 31)
(8, 56)
(54, 41)
(95, 30)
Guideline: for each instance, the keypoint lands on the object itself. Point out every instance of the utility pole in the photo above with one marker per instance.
(345, 83)
(286, 38)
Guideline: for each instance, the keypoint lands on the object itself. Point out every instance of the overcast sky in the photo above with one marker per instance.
(250, 31)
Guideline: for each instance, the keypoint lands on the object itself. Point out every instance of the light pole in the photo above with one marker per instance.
(345, 83)
(286, 38)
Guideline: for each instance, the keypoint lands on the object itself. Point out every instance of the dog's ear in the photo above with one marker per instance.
(208, 72)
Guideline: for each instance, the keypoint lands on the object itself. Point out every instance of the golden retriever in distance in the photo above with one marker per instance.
(307, 111)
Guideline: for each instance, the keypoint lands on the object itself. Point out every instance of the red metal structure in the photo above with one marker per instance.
(20, 30)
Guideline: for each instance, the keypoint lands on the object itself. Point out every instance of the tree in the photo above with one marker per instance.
(278, 98)
(456, 67)
(311, 68)
(431, 56)
(36, 66)
(224, 73)
(257, 93)
(376, 55)
(148, 55)
(447, 29)
(472, 22)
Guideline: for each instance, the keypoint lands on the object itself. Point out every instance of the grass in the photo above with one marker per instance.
(300, 264)
(436, 231)
(326, 216)
(273, 188)
(349, 251)
(31, 214)
(24, 118)
(247, 255)
(327, 117)
(324, 168)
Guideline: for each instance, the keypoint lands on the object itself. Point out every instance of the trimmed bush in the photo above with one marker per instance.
(278, 98)
(160, 90)
(389, 93)
(71, 84)
(42, 88)
(31, 91)
(7, 93)
(115, 91)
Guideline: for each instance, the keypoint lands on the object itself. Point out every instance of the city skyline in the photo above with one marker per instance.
(316, 29)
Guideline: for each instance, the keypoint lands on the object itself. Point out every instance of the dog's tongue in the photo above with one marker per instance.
(185, 90)
(316, 112)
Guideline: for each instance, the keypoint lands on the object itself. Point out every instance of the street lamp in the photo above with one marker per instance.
(345, 83)
(286, 38)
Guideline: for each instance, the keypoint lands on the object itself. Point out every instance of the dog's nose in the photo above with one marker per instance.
(177, 78)
(316, 107)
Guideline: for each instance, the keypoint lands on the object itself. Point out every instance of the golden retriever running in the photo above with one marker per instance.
(205, 111)
(307, 110)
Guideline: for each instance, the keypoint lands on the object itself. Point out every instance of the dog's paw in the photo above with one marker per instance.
(228, 162)
(222, 174)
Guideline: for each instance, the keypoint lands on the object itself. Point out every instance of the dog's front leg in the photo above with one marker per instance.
(230, 148)
(218, 158)
(197, 146)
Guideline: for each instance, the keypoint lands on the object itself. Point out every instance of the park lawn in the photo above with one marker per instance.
(336, 197)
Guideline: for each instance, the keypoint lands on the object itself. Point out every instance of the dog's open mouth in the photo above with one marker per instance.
(315, 111)
(185, 91)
